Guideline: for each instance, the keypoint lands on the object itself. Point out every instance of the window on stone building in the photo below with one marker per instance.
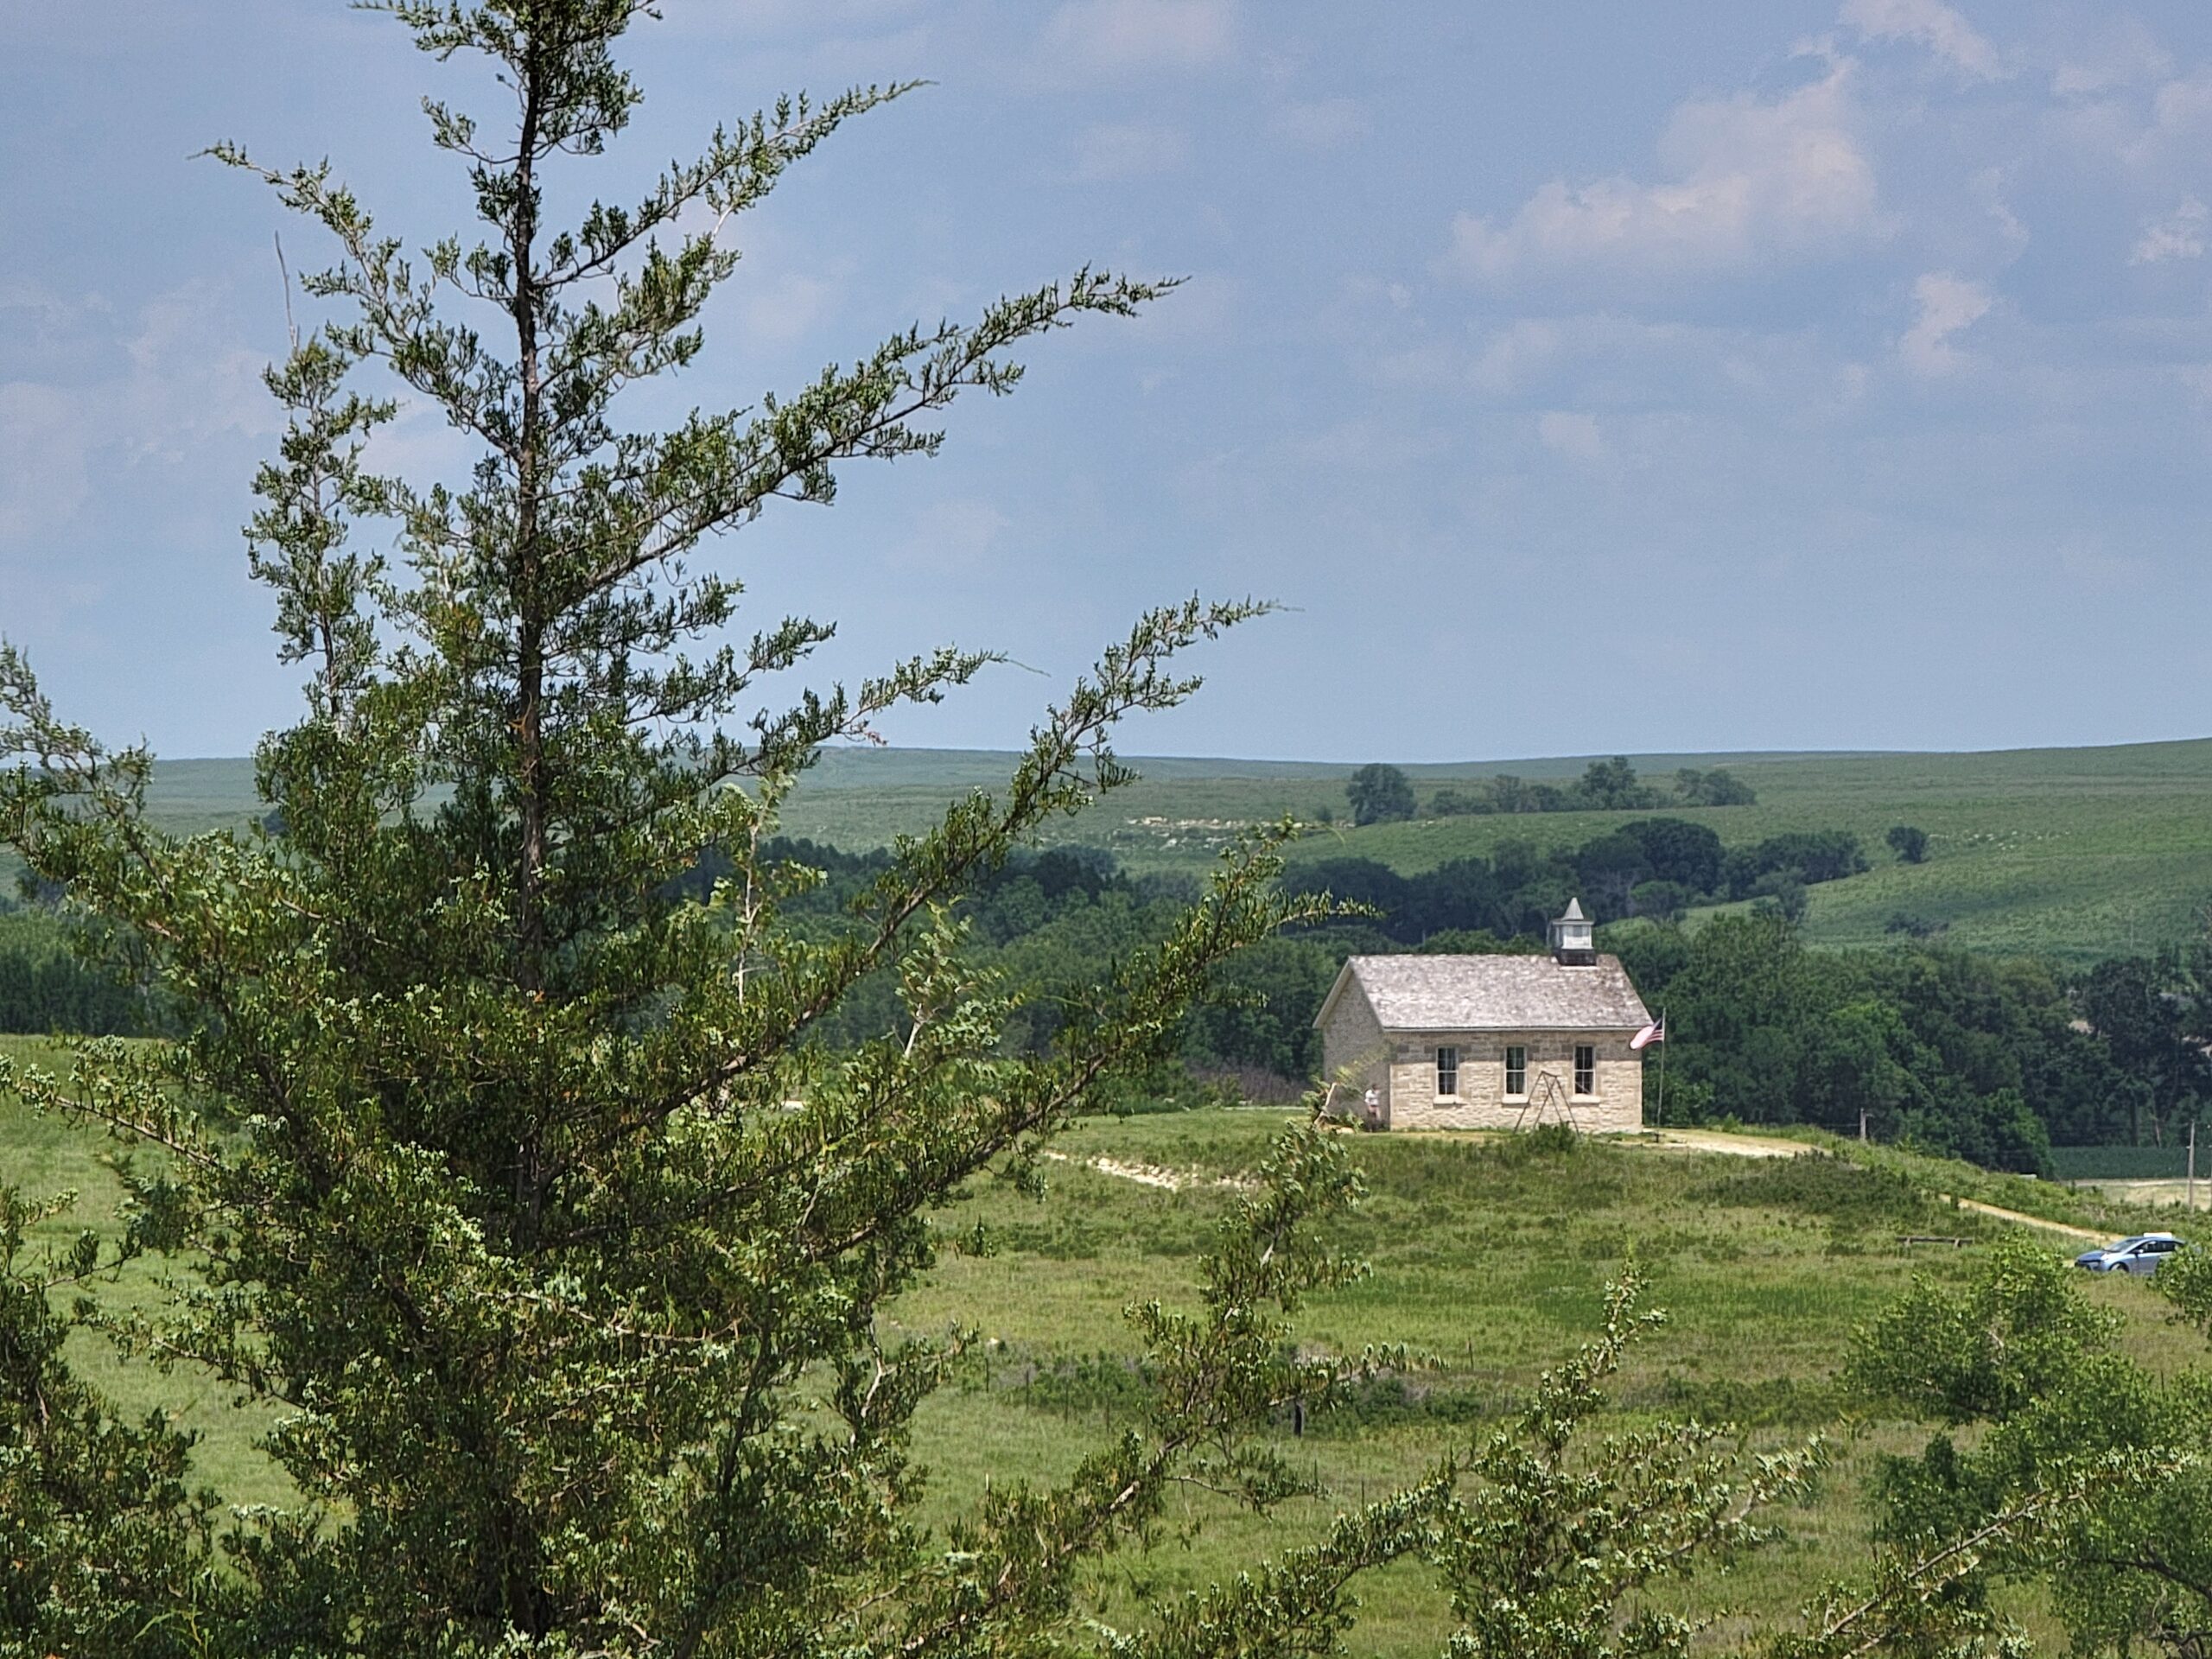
(1447, 1071)
(1585, 1068)
(1516, 1073)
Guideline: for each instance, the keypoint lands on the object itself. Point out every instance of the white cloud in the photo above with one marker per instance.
(2179, 235)
(2180, 121)
(1753, 181)
(1129, 151)
(2088, 560)
(1117, 35)
(1571, 433)
(1324, 124)
(49, 307)
(184, 389)
(1949, 305)
(2182, 105)
(1524, 348)
(782, 309)
(1205, 312)
(1928, 24)
(809, 19)
(2125, 55)
(1990, 185)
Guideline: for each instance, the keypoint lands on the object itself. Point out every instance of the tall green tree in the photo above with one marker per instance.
(479, 1134)
(1611, 785)
(1379, 794)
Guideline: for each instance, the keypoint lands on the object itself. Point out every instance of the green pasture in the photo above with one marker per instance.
(2078, 853)
(2075, 852)
(44, 1156)
(1490, 1256)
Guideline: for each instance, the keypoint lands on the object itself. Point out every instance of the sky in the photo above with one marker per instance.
(1692, 376)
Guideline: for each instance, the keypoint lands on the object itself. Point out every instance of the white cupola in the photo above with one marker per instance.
(1571, 945)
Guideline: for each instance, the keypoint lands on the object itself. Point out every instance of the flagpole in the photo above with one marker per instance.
(1662, 1066)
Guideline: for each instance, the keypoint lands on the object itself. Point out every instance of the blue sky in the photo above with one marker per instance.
(1584, 377)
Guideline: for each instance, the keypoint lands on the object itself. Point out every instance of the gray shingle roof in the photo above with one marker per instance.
(1413, 992)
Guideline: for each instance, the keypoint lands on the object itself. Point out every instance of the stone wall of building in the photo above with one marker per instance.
(1354, 1053)
(1614, 1106)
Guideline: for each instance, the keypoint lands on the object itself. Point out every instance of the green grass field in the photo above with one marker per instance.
(42, 1157)
(1490, 1256)
(2077, 853)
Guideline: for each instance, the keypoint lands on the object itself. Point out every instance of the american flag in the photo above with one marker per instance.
(1654, 1033)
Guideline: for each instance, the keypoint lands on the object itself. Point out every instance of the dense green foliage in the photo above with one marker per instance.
(1934, 1045)
(1379, 794)
(2018, 1350)
(1645, 866)
(47, 986)
(1604, 786)
(1960, 1053)
(1982, 1058)
(1519, 889)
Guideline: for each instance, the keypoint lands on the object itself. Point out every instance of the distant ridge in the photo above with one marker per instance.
(2071, 852)
(887, 767)
(224, 786)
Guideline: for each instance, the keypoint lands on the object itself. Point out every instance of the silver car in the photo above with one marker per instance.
(2140, 1254)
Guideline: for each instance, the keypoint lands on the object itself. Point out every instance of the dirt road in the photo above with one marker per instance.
(1733, 1146)
(1755, 1145)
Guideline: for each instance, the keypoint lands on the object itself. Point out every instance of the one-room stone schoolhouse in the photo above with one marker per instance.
(1490, 1042)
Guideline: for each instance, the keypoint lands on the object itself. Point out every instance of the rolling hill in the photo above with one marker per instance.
(1489, 1254)
(2079, 853)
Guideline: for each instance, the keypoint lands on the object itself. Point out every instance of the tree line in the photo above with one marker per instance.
(1380, 793)
(1994, 1059)
(1656, 866)
(45, 986)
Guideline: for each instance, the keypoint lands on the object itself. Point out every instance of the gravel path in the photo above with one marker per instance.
(1734, 1146)
(1754, 1145)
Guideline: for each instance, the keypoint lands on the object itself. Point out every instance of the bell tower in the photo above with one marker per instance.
(1571, 945)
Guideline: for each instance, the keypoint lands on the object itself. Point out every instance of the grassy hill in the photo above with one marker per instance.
(2079, 853)
(1489, 1254)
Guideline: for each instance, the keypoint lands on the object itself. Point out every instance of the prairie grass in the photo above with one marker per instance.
(44, 1156)
(1489, 1254)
